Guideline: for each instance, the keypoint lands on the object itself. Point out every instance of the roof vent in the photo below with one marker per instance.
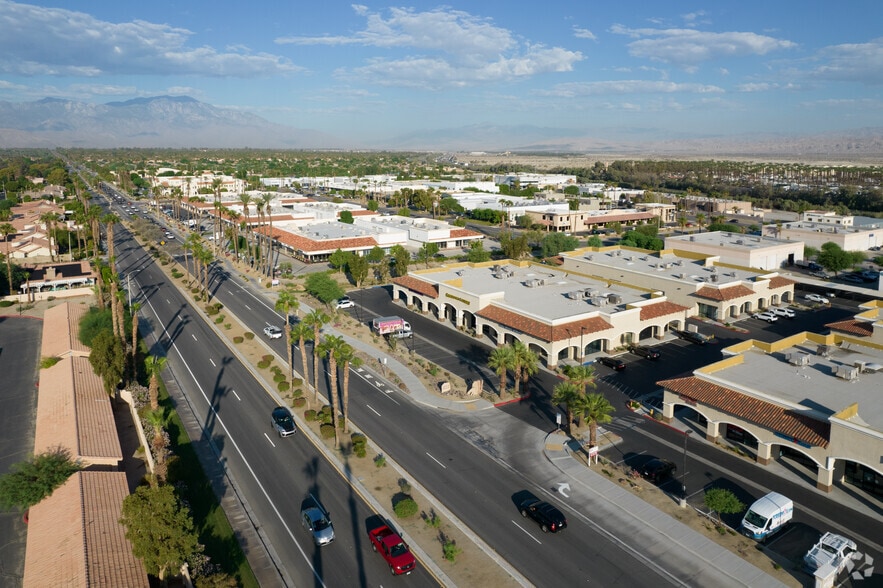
(614, 299)
(847, 372)
(714, 277)
(798, 358)
(682, 276)
(599, 300)
(692, 237)
(823, 351)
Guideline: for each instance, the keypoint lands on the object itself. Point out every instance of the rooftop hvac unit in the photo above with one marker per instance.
(692, 238)
(588, 257)
(614, 299)
(534, 283)
(592, 293)
(847, 372)
(668, 266)
(823, 350)
(798, 358)
(575, 295)
(714, 278)
(644, 258)
(682, 276)
(619, 253)
(679, 262)
(740, 242)
(712, 269)
(860, 365)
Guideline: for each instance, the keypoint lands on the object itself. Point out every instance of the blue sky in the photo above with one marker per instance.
(379, 70)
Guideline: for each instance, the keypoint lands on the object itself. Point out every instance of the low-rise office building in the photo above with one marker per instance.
(766, 253)
(559, 315)
(700, 283)
(811, 399)
(578, 221)
(847, 237)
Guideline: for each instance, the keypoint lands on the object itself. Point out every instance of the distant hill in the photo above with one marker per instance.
(161, 121)
(184, 122)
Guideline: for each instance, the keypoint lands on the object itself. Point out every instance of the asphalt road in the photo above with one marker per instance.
(275, 474)
(19, 365)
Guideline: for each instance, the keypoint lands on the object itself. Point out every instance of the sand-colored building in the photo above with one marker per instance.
(765, 253)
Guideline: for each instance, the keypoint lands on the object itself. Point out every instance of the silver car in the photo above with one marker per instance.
(317, 521)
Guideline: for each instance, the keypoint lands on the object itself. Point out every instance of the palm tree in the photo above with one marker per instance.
(245, 199)
(7, 229)
(596, 409)
(49, 219)
(501, 360)
(155, 364)
(568, 394)
(580, 375)
(316, 319)
(303, 331)
(347, 357)
(136, 306)
(267, 198)
(285, 304)
(700, 221)
(110, 220)
(205, 259)
(332, 347)
(157, 420)
(526, 364)
(216, 189)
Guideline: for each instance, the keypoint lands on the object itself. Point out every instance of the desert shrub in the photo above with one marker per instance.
(268, 358)
(278, 377)
(238, 339)
(380, 461)
(283, 386)
(297, 392)
(325, 415)
(219, 320)
(299, 403)
(309, 414)
(405, 507)
(360, 444)
(451, 550)
(297, 382)
(263, 364)
(327, 431)
(48, 362)
(404, 486)
(6, 303)
(249, 335)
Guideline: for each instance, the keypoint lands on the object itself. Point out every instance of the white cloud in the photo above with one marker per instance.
(54, 41)
(575, 89)
(451, 48)
(581, 33)
(852, 62)
(687, 47)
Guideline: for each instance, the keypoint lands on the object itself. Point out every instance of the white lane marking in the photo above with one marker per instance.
(194, 337)
(180, 318)
(167, 301)
(371, 408)
(235, 394)
(248, 307)
(270, 440)
(527, 533)
(245, 462)
(212, 362)
(436, 461)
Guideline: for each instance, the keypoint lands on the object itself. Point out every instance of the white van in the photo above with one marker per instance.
(767, 516)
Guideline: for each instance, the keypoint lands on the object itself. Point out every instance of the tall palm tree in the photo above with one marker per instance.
(700, 221)
(580, 375)
(267, 198)
(216, 189)
(206, 257)
(156, 418)
(7, 229)
(49, 219)
(94, 215)
(109, 220)
(596, 409)
(332, 346)
(154, 364)
(285, 304)
(245, 199)
(568, 394)
(501, 360)
(258, 236)
(303, 331)
(136, 306)
(348, 359)
(316, 319)
(526, 364)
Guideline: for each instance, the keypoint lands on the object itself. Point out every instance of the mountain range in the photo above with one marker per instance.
(184, 122)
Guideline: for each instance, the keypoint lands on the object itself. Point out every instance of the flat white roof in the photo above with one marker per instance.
(730, 240)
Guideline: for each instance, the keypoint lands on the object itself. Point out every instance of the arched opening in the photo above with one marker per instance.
(403, 296)
(596, 346)
(509, 339)
(490, 332)
(433, 308)
(451, 314)
(468, 320)
(732, 311)
(674, 325)
(626, 339)
(647, 333)
(863, 477)
(739, 438)
(774, 300)
(787, 296)
(761, 303)
(746, 307)
(418, 304)
(540, 351)
(797, 461)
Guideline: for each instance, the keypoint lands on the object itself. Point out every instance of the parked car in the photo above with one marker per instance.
(345, 302)
(658, 470)
(273, 332)
(784, 312)
(831, 549)
(870, 275)
(821, 274)
(282, 421)
(550, 519)
(852, 279)
(817, 298)
(612, 362)
(767, 316)
(691, 336)
(644, 351)
(317, 521)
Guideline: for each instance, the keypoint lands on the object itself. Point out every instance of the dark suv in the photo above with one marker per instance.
(692, 337)
(647, 352)
(658, 470)
(549, 518)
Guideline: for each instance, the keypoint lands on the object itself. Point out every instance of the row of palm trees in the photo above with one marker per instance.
(334, 348)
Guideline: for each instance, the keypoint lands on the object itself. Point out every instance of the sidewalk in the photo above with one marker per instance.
(653, 535)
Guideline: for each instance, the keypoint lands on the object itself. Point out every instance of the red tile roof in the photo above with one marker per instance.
(457, 233)
(618, 218)
(781, 282)
(419, 286)
(301, 243)
(730, 293)
(664, 308)
(540, 330)
(766, 414)
(861, 328)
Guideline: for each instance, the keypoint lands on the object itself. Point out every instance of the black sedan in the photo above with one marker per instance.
(642, 351)
(282, 421)
(550, 519)
(612, 362)
(692, 337)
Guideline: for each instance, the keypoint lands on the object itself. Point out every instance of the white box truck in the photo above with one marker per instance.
(394, 326)
(767, 516)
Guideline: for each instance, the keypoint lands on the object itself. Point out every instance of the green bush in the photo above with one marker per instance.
(6, 303)
(48, 362)
(405, 507)
(249, 335)
(297, 382)
(268, 358)
(238, 339)
(278, 377)
(297, 392)
(309, 414)
(263, 364)
(380, 461)
(327, 431)
(325, 415)
(219, 320)
(299, 403)
(360, 444)
(283, 386)
(275, 369)
(451, 550)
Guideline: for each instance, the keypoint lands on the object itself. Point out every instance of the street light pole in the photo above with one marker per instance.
(684, 473)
